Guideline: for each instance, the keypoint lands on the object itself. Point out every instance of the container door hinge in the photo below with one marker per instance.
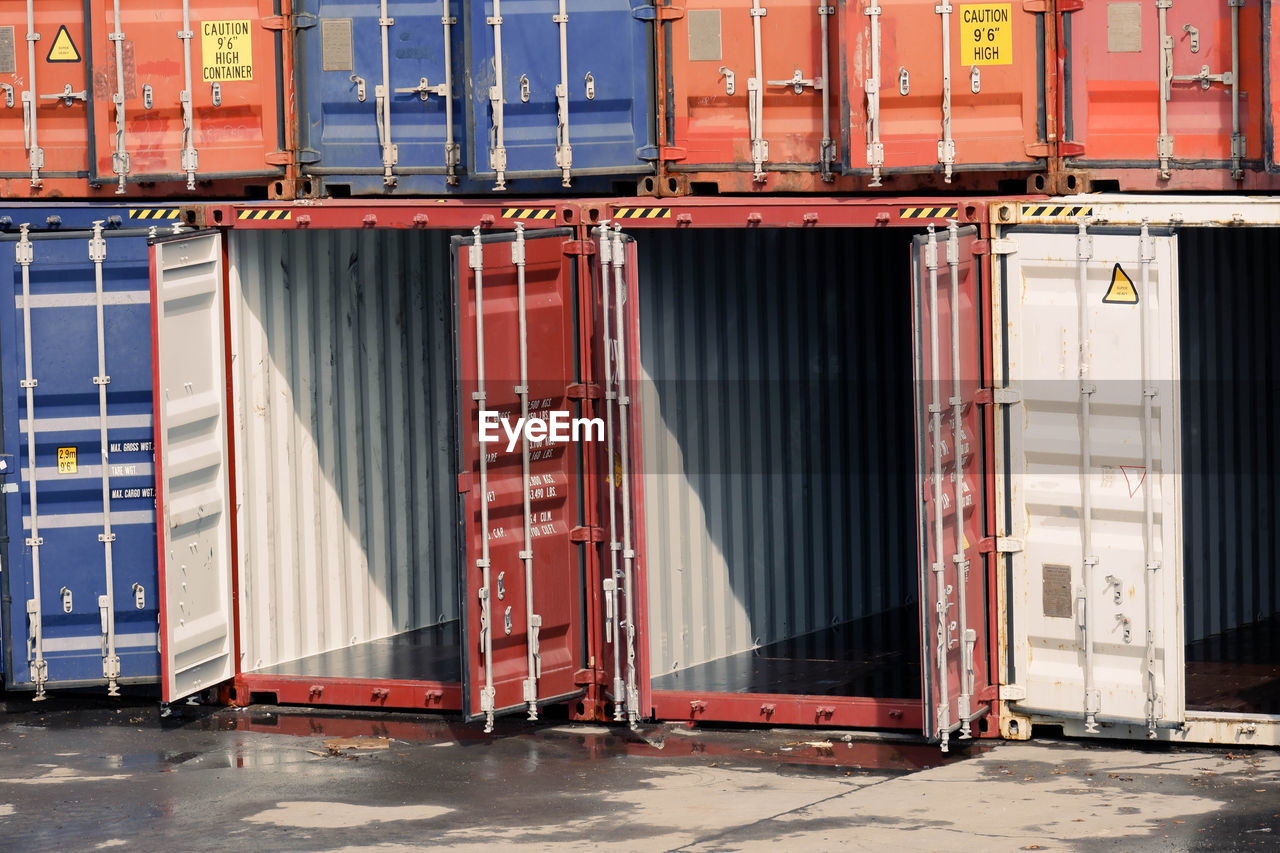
(579, 247)
(1002, 247)
(997, 396)
(307, 156)
(648, 152)
(303, 20)
(275, 22)
(671, 152)
(278, 158)
(1035, 6)
(586, 534)
(1038, 149)
(1070, 149)
(464, 483)
(658, 13)
(584, 677)
(1068, 6)
(999, 545)
(1012, 692)
(584, 391)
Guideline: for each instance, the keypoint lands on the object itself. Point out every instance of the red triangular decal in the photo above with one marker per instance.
(1134, 475)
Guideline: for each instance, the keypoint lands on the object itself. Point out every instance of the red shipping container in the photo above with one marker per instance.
(1205, 127)
(796, 98)
(203, 88)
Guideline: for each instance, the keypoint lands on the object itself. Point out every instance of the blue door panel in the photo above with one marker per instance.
(339, 133)
(64, 338)
(607, 132)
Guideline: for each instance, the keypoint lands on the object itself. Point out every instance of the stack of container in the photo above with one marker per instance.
(911, 418)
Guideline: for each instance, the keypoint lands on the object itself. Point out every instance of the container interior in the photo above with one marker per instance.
(778, 468)
(1230, 406)
(344, 400)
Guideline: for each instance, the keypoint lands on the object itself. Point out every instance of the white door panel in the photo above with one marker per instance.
(1055, 596)
(191, 454)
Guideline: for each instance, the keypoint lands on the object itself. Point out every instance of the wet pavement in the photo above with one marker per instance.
(90, 774)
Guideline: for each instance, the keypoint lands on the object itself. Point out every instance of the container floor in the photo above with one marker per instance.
(877, 657)
(1237, 670)
(426, 654)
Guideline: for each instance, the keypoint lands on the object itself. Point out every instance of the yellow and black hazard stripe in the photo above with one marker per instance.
(264, 214)
(153, 213)
(642, 213)
(528, 213)
(1068, 210)
(927, 212)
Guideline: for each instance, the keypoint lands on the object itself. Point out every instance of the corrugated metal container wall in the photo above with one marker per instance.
(568, 105)
(344, 429)
(777, 442)
(203, 113)
(798, 100)
(78, 601)
(1230, 370)
(1204, 129)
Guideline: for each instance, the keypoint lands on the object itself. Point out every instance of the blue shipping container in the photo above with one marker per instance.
(65, 625)
(410, 103)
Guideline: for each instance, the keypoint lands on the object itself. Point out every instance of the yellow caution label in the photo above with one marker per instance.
(63, 48)
(1121, 291)
(226, 51)
(1056, 210)
(153, 213)
(67, 460)
(986, 34)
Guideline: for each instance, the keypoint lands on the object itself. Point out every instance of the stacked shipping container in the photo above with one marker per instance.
(749, 544)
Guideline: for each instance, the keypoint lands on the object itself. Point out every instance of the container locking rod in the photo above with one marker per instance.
(476, 262)
(30, 116)
(25, 255)
(611, 397)
(941, 589)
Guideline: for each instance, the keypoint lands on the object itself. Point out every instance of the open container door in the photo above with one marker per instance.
(954, 611)
(1088, 486)
(197, 642)
(523, 579)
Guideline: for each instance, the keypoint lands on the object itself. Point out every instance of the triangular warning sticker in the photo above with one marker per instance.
(63, 48)
(1121, 291)
(1134, 475)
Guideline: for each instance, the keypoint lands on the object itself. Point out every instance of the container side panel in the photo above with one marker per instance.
(235, 66)
(191, 449)
(342, 129)
(776, 410)
(991, 127)
(609, 115)
(949, 441)
(712, 124)
(1230, 370)
(61, 125)
(343, 364)
(67, 424)
(1055, 599)
(1114, 61)
(553, 484)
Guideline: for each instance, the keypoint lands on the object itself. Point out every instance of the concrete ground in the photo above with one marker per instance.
(92, 775)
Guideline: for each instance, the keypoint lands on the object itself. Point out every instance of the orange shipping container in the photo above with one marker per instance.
(1165, 97)
(164, 98)
(797, 95)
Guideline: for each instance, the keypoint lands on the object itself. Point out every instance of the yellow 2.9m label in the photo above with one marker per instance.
(986, 34)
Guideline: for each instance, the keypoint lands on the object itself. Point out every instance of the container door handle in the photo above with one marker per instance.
(67, 96)
(798, 82)
(8, 94)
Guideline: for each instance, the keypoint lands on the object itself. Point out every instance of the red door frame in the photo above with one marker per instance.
(635, 215)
